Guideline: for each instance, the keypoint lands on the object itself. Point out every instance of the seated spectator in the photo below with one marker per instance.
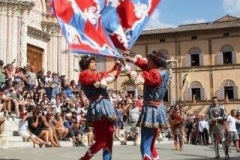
(86, 131)
(2, 75)
(38, 126)
(2, 124)
(36, 97)
(25, 133)
(74, 129)
(61, 131)
(6, 102)
(50, 125)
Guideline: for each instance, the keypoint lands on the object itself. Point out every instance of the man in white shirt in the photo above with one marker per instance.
(203, 128)
(232, 131)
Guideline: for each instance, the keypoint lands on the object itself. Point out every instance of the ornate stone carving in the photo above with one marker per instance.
(38, 34)
(51, 27)
(23, 39)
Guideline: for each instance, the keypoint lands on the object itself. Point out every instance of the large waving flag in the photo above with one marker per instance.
(81, 25)
(124, 20)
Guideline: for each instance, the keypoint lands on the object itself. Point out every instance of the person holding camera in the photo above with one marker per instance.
(37, 125)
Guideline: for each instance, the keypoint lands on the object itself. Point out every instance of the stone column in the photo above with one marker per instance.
(54, 53)
(14, 32)
(3, 33)
(59, 55)
(23, 39)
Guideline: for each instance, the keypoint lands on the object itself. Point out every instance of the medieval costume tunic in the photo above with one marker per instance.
(101, 114)
(176, 119)
(217, 129)
(153, 113)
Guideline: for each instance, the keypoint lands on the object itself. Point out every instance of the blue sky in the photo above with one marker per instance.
(171, 13)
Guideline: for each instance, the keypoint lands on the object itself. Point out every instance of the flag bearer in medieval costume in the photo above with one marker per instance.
(176, 123)
(101, 113)
(154, 77)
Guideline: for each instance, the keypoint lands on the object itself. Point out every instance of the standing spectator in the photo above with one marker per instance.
(31, 78)
(48, 83)
(68, 90)
(56, 85)
(9, 72)
(41, 81)
(2, 74)
(238, 126)
(176, 121)
(231, 129)
(131, 126)
(203, 129)
(119, 122)
(139, 102)
(19, 76)
(216, 116)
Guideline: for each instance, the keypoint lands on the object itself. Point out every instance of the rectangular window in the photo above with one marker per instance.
(197, 93)
(229, 92)
(194, 37)
(195, 59)
(162, 40)
(225, 34)
(227, 57)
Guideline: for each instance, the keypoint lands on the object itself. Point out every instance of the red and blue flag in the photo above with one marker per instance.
(124, 20)
(100, 26)
(81, 25)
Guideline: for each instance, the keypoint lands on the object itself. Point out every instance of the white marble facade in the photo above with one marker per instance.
(24, 22)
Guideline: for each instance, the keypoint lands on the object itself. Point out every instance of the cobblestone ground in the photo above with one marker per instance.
(190, 152)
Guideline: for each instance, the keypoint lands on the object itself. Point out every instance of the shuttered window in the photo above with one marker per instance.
(234, 57)
(219, 59)
(188, 94)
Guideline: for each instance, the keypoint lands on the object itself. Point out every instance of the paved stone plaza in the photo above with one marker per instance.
(190, 152)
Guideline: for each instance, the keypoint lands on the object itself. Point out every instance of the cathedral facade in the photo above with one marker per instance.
(29, 34)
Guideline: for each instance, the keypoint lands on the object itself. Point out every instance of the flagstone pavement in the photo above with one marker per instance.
(120, 152)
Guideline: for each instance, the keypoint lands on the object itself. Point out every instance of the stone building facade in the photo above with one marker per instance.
(209, 51)
(29, 34)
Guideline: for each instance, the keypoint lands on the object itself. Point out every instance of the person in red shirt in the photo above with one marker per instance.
(139, 102)
(101, 114)
(154, 78)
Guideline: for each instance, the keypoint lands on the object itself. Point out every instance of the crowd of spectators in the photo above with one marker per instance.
(196, 128)
(51, 107)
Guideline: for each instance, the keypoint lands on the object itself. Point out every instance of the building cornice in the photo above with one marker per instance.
(207, 68)
(33, 32)
(209, 26)
(30, 3)
(52, 28)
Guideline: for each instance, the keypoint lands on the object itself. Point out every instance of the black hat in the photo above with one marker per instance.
(159, 58)
(1, 62)
(85, 61)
